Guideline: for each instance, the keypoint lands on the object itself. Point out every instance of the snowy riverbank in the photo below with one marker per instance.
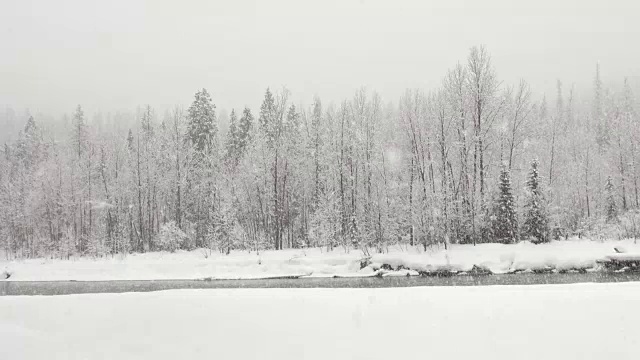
(497, 258)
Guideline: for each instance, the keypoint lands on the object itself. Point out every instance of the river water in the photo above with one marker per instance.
(8, 288)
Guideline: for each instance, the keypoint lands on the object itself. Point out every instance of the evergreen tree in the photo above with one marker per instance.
(316, 146)
(504, 220)
(603, 136)
(245, 127)
(29, 145)
(79, 131)
(293, 120)
(130, 139)
(202, 186)
(535, 226)
(147, 122)
(611, 207)
(201, 126)
(268, 117)
(233, 138)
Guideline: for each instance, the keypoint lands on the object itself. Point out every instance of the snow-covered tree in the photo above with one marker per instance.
(79, 135)
(598, 116)
(504, 219)
(202, 178)
(201, 125)
(244, 131)
(362, 173)
(222, 227)
(536, 223)
(232, 144)
(170, 238)
(611, 207)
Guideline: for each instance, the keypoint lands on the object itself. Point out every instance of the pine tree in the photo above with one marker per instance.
(29, 145)
(316, 144)
(611, 207)
(201, 126)
(79, 131)
(202, 189)
(130, 143)
(245, 127)
(268, 118)
(233, 138)
(504, 220)
(293, 121)
(603, 136)
(147, 122)
(535, 226)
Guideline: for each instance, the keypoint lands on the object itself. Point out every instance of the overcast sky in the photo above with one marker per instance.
(116, 55)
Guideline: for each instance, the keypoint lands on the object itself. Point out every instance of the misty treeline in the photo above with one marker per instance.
(453, 165)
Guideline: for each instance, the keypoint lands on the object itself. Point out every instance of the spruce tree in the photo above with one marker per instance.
(147, 123)
(244, 129)
(268, 117)
(30, 145)
(293, 120)
(201, 127)
(504, 220)
(201, 134)
(602, 127)
(79, 131)
(535, 226)
(130, 144)
(232, 138)
(612, 209)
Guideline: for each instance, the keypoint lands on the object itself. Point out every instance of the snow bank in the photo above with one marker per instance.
(496, 258)
(580, 321)
(500, 258)
(196, 264)
(624, 257)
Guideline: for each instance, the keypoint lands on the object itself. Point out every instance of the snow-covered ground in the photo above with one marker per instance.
(561, 255)
(580, 321)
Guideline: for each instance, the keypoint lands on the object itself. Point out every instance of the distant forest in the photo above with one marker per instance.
(473, 160)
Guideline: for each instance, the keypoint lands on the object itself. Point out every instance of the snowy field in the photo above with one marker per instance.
(499, 258)
(580, 321)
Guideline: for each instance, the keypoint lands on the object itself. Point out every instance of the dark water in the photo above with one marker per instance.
(85, 287)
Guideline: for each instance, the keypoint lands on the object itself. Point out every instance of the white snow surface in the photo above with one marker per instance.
(579, 321)
(499, 258)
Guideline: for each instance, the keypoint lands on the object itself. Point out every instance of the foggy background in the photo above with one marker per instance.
(117, 55)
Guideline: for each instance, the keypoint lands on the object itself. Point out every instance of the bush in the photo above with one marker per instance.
(630, 223)
(171, 237)
(626, 226)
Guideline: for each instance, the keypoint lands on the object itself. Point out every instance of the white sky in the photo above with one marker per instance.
(116, 55)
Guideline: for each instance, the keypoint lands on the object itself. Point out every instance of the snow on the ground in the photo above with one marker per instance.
(579, 321)
(499, 258)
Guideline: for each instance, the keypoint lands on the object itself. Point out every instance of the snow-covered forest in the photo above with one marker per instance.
(471, 160)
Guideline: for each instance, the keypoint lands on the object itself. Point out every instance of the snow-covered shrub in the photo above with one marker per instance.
(630, 223)
(324, 223)
(66, 247)
(220, 232)
(240, 235)
(171, 237)
(600, 229)
(625, 226)
(96, 246)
